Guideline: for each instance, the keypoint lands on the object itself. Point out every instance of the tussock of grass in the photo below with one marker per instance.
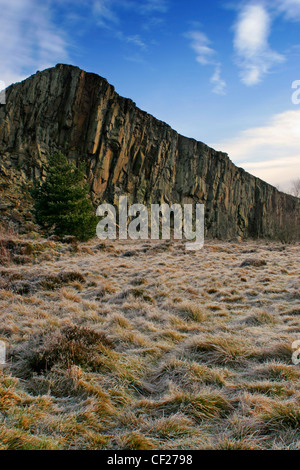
(136, 441)
(268, 388)
(105, 288)
(188, 375)
(140, 292)
(281, 351)
(257, 263)
(283, 415)
(70, 346)
(59, 382)
(192, 311)
(8, 397)
(222, 350)
(172, 335)
(5, 255)
(53, 281)
(16, 439)
(275, 370)
(239, 444)
(202, 406)
(175, 426)
(261, 318)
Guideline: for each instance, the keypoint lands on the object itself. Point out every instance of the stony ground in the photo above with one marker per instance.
(147, 346)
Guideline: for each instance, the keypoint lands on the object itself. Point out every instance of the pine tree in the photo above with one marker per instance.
(61, 204)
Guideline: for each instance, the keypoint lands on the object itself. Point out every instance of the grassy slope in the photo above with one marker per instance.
(196, 351)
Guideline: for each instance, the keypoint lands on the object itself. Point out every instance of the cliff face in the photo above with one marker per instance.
(129, 152)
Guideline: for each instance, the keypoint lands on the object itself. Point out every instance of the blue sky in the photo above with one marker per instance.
(219, 71)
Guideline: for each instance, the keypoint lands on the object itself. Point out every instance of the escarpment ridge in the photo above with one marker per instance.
(127, 152)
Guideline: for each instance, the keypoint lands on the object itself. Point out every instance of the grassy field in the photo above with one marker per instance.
(146, 346)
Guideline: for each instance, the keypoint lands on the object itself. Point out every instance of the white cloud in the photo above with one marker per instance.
(108, 12)
(136, 40)
(290, 8)
(270, 152)
(218, 82)
(28, 39)
(279, 173)
(104, 13)
(205, 55)
(201, 45)
(251, 43)
(152, 6)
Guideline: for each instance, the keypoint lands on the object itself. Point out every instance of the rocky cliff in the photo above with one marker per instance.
(127, 151)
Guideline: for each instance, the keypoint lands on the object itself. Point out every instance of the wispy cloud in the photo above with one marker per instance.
(28, 38)
(201, 45)
(104, 12)
(251, 43)
(270, 152)
(290, 8)
(206, 55)
(150, 6)
(31, 39)
(136, 40)
(219, 84)
(108, 14)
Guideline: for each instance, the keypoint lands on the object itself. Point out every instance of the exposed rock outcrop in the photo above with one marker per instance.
(127, 151)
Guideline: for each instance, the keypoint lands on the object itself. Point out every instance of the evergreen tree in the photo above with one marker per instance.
(61, 204)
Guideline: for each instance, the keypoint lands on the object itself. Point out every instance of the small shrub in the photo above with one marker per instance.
(61, 205)
(53, 281)
(67, 347)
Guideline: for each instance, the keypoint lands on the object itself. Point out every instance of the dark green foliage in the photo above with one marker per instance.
(61, 204)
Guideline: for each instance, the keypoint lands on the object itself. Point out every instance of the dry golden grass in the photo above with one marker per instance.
(138, 346)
